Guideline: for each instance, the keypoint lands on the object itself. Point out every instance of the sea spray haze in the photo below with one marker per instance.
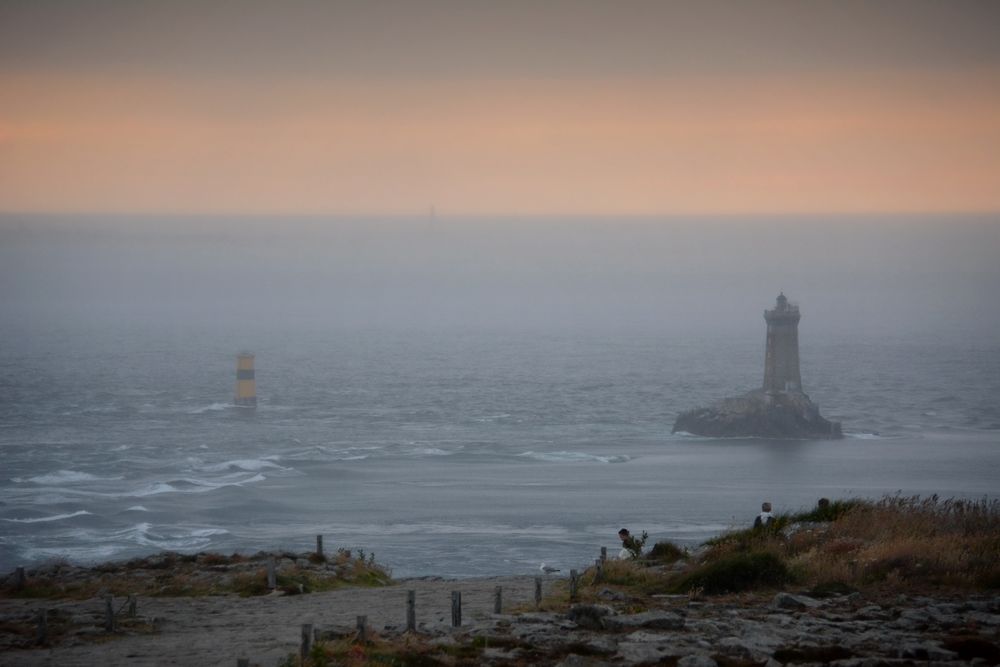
(471, 396)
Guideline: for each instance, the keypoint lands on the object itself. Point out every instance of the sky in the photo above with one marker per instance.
(499, 108)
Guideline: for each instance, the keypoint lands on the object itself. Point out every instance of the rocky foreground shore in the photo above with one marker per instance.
(612, 627)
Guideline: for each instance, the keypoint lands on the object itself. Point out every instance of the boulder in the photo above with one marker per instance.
(589, 615)
(697, 660)
(758, 413)
(655, 620)
(789, 601)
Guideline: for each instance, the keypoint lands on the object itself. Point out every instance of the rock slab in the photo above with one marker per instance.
(761, 414)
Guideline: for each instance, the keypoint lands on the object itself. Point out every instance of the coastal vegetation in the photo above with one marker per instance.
(173, 574)
(897, 543)
(918, 563)
(875, 550)
(901, 544)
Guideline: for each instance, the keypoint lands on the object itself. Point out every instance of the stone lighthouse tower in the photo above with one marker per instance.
(781, 361)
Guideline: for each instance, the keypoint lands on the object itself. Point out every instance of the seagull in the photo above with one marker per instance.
(549, 570)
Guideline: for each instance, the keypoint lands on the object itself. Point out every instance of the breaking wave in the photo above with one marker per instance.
(59, 477)
(247, 465)
(43, 519)
(575, 457)
(189, 485)
(214, 407)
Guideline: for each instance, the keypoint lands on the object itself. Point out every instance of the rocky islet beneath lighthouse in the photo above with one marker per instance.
(780, 409)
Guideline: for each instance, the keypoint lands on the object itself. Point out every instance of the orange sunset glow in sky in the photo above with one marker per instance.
(500, 108)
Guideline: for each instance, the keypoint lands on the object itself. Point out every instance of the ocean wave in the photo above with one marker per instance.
(398, 529)
(214, 407)
(145, 535)
(189, 485)
(321, 453)
(248, 465)
(136, 508)
(43, 519)
(492, 418)
(91, 553)
(575, 457)
(675, 529)
(430, 451)
(61, 477)
(864, 436)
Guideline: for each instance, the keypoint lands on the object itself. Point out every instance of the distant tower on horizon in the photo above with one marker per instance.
(246, 384)
(781, 360)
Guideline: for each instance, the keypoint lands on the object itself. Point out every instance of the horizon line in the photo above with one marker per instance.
(521, 215)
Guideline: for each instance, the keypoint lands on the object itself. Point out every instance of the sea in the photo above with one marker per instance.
(479, 408)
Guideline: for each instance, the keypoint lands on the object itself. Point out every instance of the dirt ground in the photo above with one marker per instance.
(218, 630)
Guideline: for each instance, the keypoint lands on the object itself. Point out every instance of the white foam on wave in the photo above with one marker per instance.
(153, 490)
(864, 436)
(214, 407)
(43, 519)
(136, 508)
(178, 538)
(492, 418)
(430, 451)
(575, 457)
(325, 453)
(61, 477)
(189, 485)
(90, 553)
(247, 465)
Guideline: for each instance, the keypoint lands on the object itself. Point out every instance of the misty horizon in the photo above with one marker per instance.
(924, 275)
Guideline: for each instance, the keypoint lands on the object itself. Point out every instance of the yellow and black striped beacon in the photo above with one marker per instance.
(246, 385)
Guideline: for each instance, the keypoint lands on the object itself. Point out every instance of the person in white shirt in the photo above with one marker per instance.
(765, 517)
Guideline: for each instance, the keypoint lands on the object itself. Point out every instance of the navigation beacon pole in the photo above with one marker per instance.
(246, 385)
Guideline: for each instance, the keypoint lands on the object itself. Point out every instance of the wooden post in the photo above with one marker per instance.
(242, 662)
(456, 608)
(497, 600)
(604, 554)
(573, 576)
(538, 591)
(272, 574)
(109, 613)
(599, 571)
(43, 626)
(19, 579)
(306, 646)
(133, 603)
(319, 546)
(411, 611)
(362, 629)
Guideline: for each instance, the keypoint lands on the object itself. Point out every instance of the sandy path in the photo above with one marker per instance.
(218, 630)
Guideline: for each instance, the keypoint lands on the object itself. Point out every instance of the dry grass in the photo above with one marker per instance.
(897, 542)
(953, 543)
(177, 575)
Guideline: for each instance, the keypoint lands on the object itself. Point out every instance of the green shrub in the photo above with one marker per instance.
(666, 552)
(829, 512)
(735, 573)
